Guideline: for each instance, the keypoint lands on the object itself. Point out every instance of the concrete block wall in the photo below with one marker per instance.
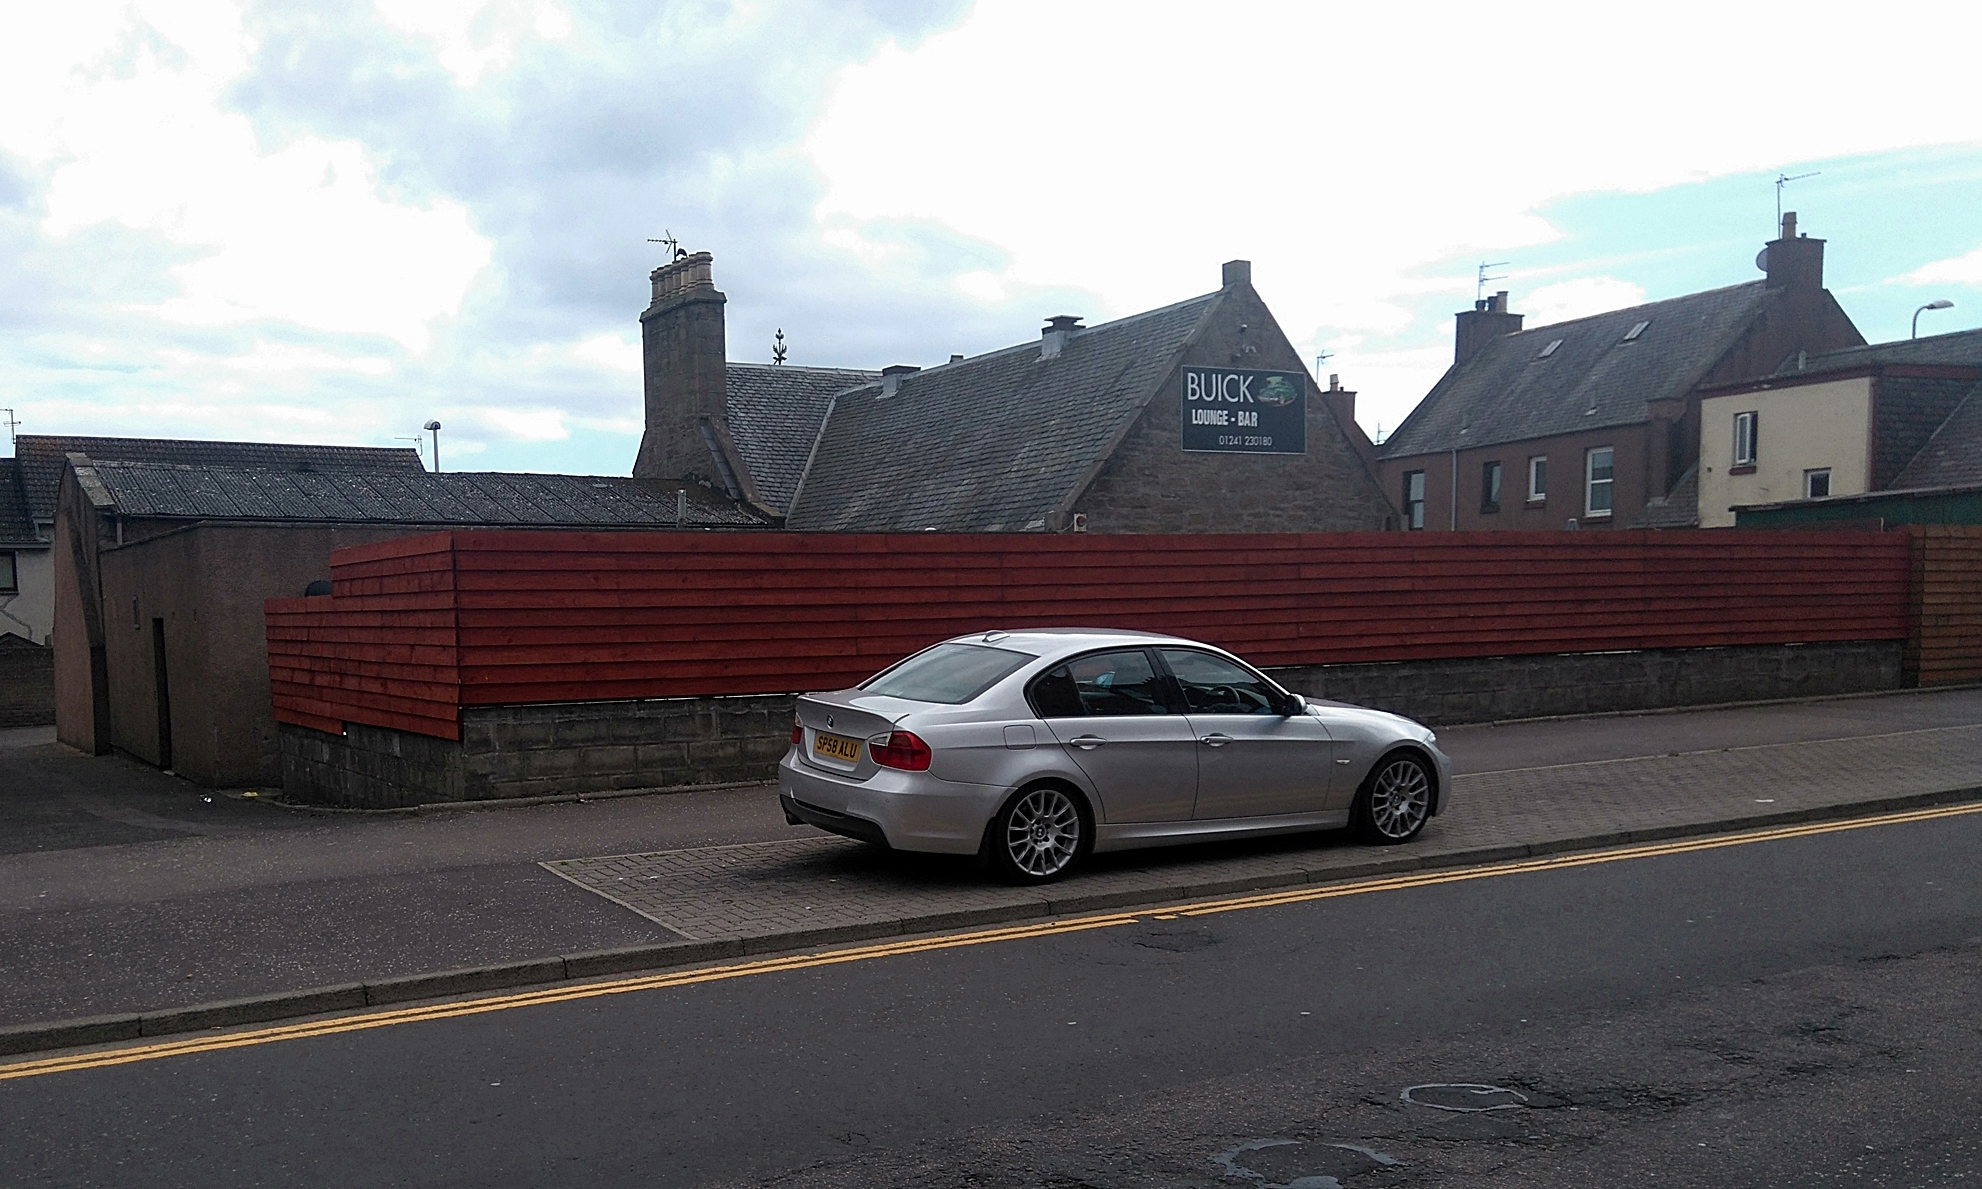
(588, 747)
(1489, 689)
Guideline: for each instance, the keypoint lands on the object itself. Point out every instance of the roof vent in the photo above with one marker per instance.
(891, 378)
(1550, 349)
(1631, 335)
(1059, 328)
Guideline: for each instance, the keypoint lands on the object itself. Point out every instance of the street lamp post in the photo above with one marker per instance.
(434, 426)
(1939, 303)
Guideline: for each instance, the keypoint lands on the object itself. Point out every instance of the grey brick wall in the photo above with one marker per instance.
(589, 747)
(1448, 692)
(27, 683)
(543, 750)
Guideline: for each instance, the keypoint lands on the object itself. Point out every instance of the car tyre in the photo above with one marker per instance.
(1395, 800)
(1042, 833)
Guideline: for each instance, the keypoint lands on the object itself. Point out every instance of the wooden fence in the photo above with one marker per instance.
(1945, 644)
(415, 629)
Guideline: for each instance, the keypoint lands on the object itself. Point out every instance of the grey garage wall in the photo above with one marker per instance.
(550, 749)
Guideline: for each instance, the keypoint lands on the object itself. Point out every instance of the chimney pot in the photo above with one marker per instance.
(1236, 271)
(1788, 225)
(1053, 338)
(1334, 382)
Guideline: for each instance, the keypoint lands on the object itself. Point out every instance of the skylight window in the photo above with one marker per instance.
(1632, 334)
(1550, 349)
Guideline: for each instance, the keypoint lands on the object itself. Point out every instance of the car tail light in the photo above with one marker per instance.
(797, 733)
(900, 749)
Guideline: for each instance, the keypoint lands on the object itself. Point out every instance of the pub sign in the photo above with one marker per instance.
(1234, 411)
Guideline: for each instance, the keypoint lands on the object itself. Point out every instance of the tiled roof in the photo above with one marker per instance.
(1953, 456)
(169, 490)
(1510, 392)
(990, 443)
(774, 414)
(1680, 509)
(1962, 348)
(42, 457)
(15, 527)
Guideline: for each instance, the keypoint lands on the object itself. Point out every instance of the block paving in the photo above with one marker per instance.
(811, 888)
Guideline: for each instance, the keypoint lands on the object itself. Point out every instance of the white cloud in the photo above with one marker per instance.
(531, 425)
(300, 233)
(1579, 298)
(471, 37)
(610, 351)
(1956, 270)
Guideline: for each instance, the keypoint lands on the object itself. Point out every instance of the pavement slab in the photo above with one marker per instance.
(819, 886)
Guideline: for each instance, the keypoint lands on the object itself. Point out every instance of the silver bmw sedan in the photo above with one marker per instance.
(1037, 747)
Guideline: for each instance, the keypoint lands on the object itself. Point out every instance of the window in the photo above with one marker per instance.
(1745, 425)
(1214, 685)
(1550, 349)
(1597, 480)
(1538, 478)
(1414, 499)
(1103, 685)
(1490, 487)
(1817, 483)
(9, 579)
(1631, 336)
(951, 674)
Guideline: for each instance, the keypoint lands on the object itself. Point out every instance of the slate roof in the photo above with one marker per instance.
(43, 457)
(15, 526)
(989, 443)
(1953, 456)
(1962, 348)
(1681, 509)
(774, 414)
(1594, 380)
(170, 490)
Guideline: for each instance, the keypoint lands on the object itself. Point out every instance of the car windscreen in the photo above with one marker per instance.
(951, 674)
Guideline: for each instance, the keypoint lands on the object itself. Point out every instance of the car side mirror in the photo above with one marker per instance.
(1293, 704)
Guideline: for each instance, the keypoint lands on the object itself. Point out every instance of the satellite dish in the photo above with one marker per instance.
(1762, 260)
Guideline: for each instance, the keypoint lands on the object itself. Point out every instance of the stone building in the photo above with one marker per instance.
(1196, 417)
(1596, 421)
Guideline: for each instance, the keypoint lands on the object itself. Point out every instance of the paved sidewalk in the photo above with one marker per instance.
(771, 893)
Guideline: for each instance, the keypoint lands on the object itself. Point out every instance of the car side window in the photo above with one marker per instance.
(1105, 684)
(1214, 685)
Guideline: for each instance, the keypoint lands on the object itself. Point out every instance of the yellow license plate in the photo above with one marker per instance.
(836, 747)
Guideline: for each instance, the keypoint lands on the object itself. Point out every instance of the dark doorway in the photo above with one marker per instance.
(163, 688)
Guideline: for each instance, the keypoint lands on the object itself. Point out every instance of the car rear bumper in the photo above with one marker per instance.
(908, 810)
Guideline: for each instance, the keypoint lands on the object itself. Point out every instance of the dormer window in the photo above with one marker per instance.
(1550, 349)
(1631, 335)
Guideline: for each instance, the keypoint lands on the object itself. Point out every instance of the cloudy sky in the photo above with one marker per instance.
(331, 221)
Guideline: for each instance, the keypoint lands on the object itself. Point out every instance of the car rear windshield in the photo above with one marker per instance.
(948, 673)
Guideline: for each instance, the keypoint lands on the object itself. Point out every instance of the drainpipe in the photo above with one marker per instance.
(1455, 487)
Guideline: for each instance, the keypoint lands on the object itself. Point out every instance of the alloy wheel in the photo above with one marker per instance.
(1043, 832)
(1400, 799)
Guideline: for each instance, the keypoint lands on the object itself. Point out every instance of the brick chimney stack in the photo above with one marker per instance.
(1793, 261)
(682, 349)
(1485, 322)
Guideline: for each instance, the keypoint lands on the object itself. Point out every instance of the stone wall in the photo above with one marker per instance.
(589, 747)
(27, 683)
(542, 750)
(1489, 689)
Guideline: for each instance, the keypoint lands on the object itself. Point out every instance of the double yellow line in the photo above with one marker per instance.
(211, 1042)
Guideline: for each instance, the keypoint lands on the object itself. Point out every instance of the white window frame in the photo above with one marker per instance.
(1491, 489)
(1812, 473)
(1537, 469)
(1420, 501)
(1590, 481)
(1745, 425)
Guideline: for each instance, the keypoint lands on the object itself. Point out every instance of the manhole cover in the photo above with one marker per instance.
(1464, 1097)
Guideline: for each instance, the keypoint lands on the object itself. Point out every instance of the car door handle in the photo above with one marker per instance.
(1087, 742)
(1215, 740)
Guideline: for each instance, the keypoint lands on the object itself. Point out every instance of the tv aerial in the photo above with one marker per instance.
(1783, 179)
(673, 245)
(1480, 289)
(778, 347)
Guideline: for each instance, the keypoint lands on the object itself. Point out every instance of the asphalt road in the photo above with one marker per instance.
(1789, 1012)
(122, 889)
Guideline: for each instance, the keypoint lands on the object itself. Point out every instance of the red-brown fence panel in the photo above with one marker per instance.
(416, 629)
